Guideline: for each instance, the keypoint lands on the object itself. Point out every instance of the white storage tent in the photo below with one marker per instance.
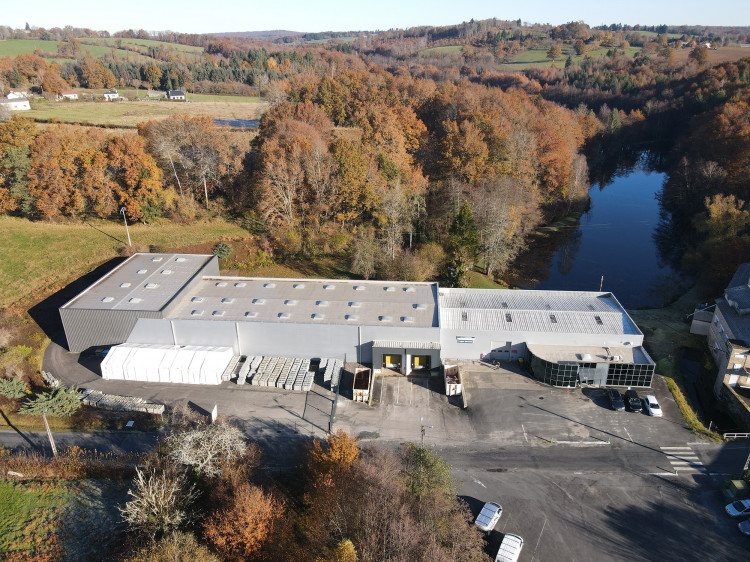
(163, 363)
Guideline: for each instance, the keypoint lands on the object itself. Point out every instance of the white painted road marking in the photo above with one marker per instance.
(539, 539)
(524, 433)
(683, 459)
(629, 437)
(478, 482)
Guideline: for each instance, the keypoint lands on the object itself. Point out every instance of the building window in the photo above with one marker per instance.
(508, 318)
(598, 320)
(553, 318)
(716, 320)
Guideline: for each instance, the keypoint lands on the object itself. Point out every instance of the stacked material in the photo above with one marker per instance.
(280, 372)
(119, 403)
(332, 372)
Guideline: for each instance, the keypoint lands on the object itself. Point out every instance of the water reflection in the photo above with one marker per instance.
(619, 238)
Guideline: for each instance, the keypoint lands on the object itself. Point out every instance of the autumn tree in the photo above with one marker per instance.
(152, 74)
(93, 74)
(240, 530)
(700, 55)
(554, 52)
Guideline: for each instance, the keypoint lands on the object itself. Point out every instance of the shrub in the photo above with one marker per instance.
(207, 448)
(175, 547)
(60, 401)
(13, 388)
(222, 250)
(162, 502)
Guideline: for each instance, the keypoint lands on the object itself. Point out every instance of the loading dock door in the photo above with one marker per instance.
(392, 362)
(420, 363)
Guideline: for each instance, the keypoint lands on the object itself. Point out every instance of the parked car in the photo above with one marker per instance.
(510, 548)
(615, 400)
(632, 400)
(652, 406)
(744, 527)
(489, 516)
(739, 508)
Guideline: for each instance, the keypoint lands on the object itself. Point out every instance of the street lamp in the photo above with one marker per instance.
(122, 212)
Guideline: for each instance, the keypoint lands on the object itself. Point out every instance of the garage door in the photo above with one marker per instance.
(392, 362)
(420, 362)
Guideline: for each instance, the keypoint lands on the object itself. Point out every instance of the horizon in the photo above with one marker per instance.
(367, 16)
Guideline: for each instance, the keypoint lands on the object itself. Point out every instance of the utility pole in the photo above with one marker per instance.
(122, 212)
(601, 284)
(49, 433)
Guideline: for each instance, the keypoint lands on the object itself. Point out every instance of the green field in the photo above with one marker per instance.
(447, 50)
(39, 255)
(538, 57)
(145, 43)
(15, 47)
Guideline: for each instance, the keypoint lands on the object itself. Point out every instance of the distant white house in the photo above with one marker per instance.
(67, 96)
(175, 95)
(111, 95)
(16, 94)
(19, 104)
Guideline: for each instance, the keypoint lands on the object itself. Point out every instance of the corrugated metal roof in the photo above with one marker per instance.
(590, 354)
(323, 301)
(142, 282)
(569, 312)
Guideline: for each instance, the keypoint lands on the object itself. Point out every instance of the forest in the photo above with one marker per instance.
(414, 162)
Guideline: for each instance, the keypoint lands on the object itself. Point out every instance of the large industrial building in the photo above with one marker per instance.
(168, 305)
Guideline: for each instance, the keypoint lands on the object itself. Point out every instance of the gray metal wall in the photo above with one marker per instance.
(276, 338)
(485, 341)
(88, 328)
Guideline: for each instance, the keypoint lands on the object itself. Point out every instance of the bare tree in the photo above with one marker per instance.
(161, 501)
(208, 447)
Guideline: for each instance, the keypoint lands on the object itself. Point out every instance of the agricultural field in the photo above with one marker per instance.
(437, 51)
(144, 43)
(15, 47)
(130, 113)
(538, 57)
(34, 252)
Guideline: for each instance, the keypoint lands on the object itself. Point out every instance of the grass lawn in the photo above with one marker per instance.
(481, 281)
(40, 255)
(58, 519)
(130, 113)
(666, 334)
(145, 43)
(538, 57)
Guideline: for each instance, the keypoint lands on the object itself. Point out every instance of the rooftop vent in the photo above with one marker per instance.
(108, 299)
(586, 357)
(504, 305)
(351, 317)
(355, 304)
(259, 301)
(508, 318)
(420, 306)
(251, 314)
(217, 313)
(389, 289)
(464, 316)
(196, 299)
(180, 259)
(598, 320)
(321, 303)
(290, 302)
(166, 272)
(269, 285)
(553, 318)
(135, 300)
(227, 300)
(407, 319)
(317, 316)
(156, 259)
(124, 285)
(221, 283)
(142, 271)
(197, 313)
(359, 287)
(283, 315)
(329, 287)
(591, 306)
(384, 318)
(547, 307)
(299, 285)
(240, 284)
(408, 289)
(152, 285)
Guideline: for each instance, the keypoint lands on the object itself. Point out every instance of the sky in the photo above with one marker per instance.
(193, 16)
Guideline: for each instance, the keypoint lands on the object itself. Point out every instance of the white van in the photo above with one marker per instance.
(510, 548)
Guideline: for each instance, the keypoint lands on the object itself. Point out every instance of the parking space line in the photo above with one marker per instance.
(626, 431)
(524, 433)
(398, 389)
(539, 539)
(411, 394)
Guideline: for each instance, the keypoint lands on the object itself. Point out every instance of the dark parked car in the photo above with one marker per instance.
(633, 401)
(615, 399)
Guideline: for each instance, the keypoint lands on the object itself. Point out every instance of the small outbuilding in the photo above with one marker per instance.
(67, 95)
(15, 104)
(111, 95)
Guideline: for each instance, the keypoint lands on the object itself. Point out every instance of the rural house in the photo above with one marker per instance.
(175, 95)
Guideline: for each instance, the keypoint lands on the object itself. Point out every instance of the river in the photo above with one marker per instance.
(614, 240)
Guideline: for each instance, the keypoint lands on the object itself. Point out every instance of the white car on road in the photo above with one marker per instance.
(489, 516)
(652, 406)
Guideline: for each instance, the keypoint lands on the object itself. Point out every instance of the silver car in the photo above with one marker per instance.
(739, 508)
(652, 406)
(489, 516)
